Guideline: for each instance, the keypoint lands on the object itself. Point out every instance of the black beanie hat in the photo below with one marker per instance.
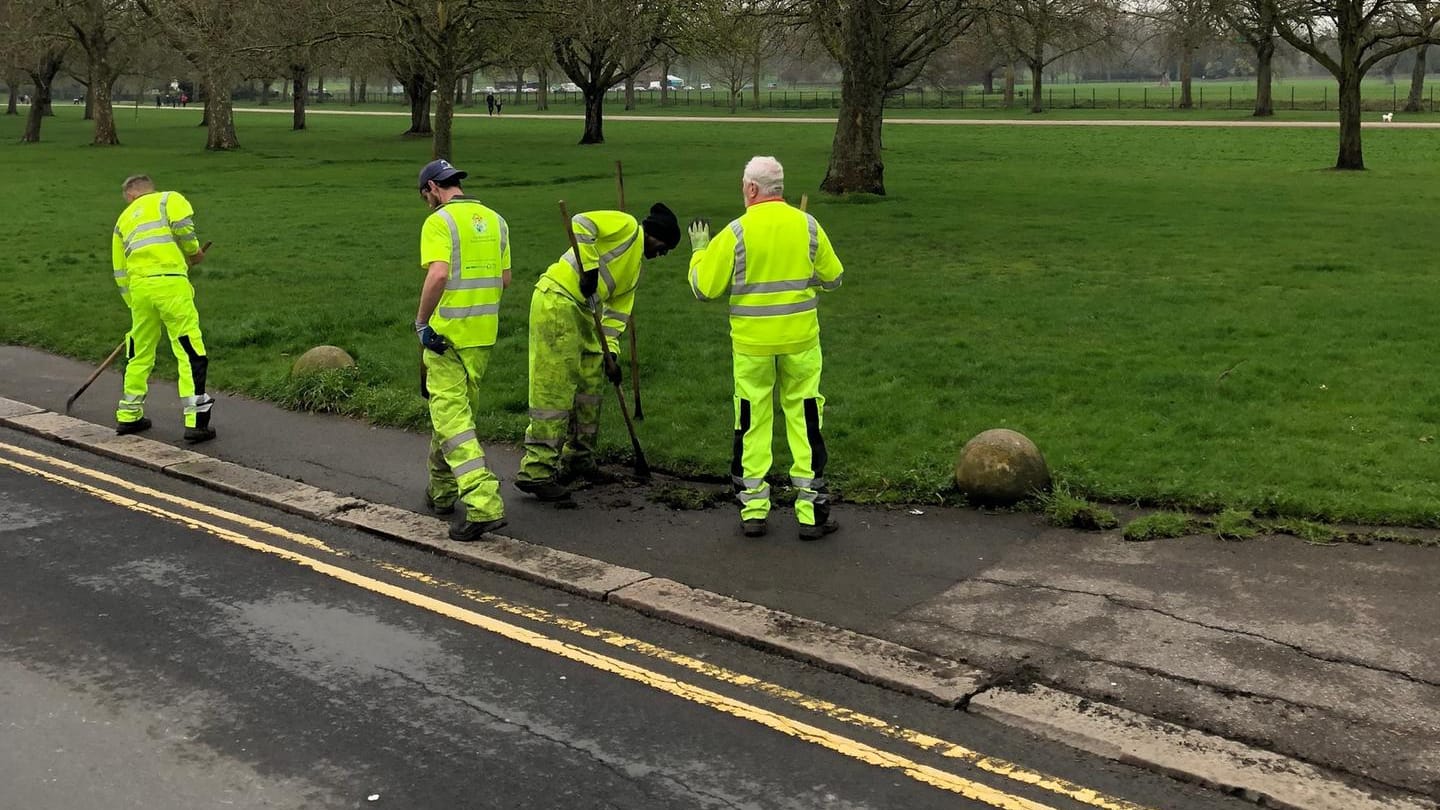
(662, 224)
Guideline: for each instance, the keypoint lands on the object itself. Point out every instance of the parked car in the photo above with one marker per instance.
(704, 85)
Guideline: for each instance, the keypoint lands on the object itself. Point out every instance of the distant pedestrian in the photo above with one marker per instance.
(184, 100)
(498, 105)
(158, 100)
(772, 259)
(490, 103)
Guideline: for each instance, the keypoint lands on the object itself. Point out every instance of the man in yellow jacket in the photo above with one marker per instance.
(465, 250)
(152, 250)
(565, 355)
(773, 259)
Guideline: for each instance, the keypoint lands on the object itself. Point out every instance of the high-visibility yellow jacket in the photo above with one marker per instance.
(152, 238)
(773, 259)
(475, 242)
(614, 243)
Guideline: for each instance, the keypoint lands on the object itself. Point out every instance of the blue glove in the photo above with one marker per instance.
(431, 339)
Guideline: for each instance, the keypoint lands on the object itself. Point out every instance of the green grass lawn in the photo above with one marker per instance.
(1085, 286)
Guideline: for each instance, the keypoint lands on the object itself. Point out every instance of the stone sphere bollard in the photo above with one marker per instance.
(321, 358)
(1001, 467)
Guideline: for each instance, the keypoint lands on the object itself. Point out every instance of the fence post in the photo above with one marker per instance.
(1325, 104)
(1202, 98)
(1292, 96)
(1074, 97)
(1051, 105)
(1231, 104)
(1394, 98)
(1144, 98)
(1172, 98)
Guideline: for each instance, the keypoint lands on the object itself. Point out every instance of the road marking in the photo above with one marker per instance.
(805, 732)
(921, 740)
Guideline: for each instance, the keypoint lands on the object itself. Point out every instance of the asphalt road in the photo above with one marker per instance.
(158, 653)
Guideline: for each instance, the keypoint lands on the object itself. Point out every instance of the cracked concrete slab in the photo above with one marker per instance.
(1108, 731)
(10, 408)
(60, 427)
(291, 496)
(144, 452)
(864, 657)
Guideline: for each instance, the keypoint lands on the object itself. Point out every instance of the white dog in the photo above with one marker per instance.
(1387, 117)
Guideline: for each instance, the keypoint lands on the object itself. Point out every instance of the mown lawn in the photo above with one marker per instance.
(1089, 287)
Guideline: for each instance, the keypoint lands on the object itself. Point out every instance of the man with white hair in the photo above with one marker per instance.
(772, 259)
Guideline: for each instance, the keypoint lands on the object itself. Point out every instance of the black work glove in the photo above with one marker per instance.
(431, 339)
(589, 283)
(612, 369)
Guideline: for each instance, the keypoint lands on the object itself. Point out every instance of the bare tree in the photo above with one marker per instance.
(1254, 21)
(882, 46)
(732, 39)
(1184, 27)
(1417, 77)
(34, 37)
(1041, 32)
(599, 43)
(100, 28)
(1348, 38)
(213, 36)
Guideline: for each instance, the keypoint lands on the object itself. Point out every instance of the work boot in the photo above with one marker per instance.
(126, 428)
(548, 489)
(197, 435)
(468, 531)
(817, 532)
(754, 527)
(439, 509)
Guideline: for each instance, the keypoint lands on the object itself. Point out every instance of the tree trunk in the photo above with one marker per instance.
(734, 98)
(542, 96)
(755, 83)
(594, 116)
(417, 90)
(1264, 78)
(350, 97)
(469, 92)
(320, 86)
(1351, 155)
(364, 90)
(265, 92)
(1187, 60)
(1009, 84)
(299, 95)
(855, 163)
(89, 114)
(43, 77)
(665, 79)
(13, 84)
(219, 115)
(1037, 73)
(519, 84)
(630, 92)
(989, 81)
(102, 84)
(445, 87)
(1417, 81)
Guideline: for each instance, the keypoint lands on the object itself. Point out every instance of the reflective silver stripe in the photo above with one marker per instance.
(830, 285)
(617, 315)
(455, 284)
(164, 204)
(747, 483)
(470, 466)
(455, 441)
(775, 309)
(553, 443)
(198, 404)
(124, 290)
(750, 497)
(807, 483)
(587, 430)
(610, 331)
(771, 287)
(121, 273)
(455, 313)
(739, 231)
(504, 234)
(133, 400)
(147, 242)
(118, 233)
(588, 399)
(454, 244)
(589, 225)
(814, 236)
(548, 413)
(139, 229)
(807, 495)
(614, 254)
(187, 222)
(695, 284)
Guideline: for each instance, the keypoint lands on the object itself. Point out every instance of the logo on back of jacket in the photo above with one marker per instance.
(479, 224)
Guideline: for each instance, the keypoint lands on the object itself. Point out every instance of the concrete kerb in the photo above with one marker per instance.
(1108, 731)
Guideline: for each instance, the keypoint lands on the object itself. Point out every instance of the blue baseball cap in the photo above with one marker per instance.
(439, 170)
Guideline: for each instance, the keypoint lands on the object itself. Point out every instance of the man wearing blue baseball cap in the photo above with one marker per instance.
(465, 250)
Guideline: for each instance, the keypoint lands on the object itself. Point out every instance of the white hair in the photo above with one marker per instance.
(137, 182)
(767, 173)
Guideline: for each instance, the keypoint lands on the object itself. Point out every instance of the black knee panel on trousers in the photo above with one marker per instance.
(819, 457)
(737, 466)
(199, 364)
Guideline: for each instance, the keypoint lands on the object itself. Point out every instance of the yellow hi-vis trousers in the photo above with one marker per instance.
(797, 377)
(457, 462)
(566, 381)
(165, 302)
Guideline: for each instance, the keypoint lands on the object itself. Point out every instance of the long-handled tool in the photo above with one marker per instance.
(634, 341)
(642, 467)
(804, 201)
(70, 402)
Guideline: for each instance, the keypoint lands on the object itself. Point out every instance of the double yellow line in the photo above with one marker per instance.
(812, 734)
